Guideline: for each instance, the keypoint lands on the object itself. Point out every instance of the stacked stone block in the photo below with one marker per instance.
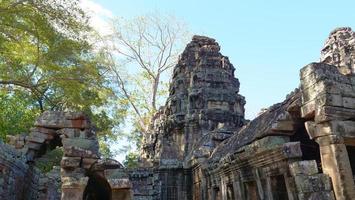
(145, 184)
(311, 184)
(328, 106)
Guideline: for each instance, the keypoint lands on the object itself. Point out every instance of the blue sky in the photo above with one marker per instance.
(268, 42)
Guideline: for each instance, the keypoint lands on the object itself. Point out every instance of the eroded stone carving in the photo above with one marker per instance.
(339, 50)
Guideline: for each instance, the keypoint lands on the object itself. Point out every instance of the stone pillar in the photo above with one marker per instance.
(268, 188)
(223, 188)
(213, 193)
(335, 163)
(290, 186)
(203, 188)
(238, 189)
(259, 184)
(73, 189)
(210, 193)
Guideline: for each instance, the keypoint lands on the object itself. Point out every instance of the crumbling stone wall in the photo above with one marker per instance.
(146, 184)
(82, 173)
(12, 173)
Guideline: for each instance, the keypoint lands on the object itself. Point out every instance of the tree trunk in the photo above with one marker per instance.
(155, 91)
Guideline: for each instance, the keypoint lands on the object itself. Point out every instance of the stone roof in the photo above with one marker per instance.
(279, 119)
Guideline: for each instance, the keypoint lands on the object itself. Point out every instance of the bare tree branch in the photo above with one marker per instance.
(151, 43)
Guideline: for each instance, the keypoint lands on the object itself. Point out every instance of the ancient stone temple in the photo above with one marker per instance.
(200, 146)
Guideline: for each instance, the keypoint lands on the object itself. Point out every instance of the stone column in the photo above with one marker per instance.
(290, 186)
(238, 189)
(213, 194)
(203, 188)
(73, 189)
(335, 163)
(259, 184)
(223, 188)
(210, 193)
(268, 188)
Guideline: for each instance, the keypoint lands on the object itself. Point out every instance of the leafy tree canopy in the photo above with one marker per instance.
(48, 63)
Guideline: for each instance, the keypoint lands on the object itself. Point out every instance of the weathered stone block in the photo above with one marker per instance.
(79, 152)
(73, 183)
(88, 162)
(46, 136)
(72, 172)
(115, 173)
(349, 102)
(340, 128)
(328, 113)
(120, 183)
(35, 139)
(103, 164)
(283, 126)
(76, 133)
(47, 131)
(329, 99)
(308, 110)
(57, 120)
(292, 150)
(323, 195)
(312, 183)
(70, 162)
(87, 144)
(306, 167)
(267, 143)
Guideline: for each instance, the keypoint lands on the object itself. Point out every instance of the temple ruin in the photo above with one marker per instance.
(201, 147)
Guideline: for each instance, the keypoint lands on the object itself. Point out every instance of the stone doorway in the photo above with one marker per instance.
(278, 186)
(310, 149)
(351, 154)
(97, 189)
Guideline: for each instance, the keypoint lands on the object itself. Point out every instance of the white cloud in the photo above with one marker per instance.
(99, 16)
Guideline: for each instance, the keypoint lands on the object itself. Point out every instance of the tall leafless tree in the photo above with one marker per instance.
(143, 51)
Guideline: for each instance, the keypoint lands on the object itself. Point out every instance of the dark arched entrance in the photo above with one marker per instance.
(97, 189)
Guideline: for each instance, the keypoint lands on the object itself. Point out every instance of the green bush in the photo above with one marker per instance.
(50, 159)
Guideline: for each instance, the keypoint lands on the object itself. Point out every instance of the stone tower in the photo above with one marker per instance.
(339, 50)
(203, 99)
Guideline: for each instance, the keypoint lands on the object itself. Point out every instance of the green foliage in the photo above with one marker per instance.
(44, 50)
(50, 159)
(48, 63)
(131, 160)
(17, 115)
